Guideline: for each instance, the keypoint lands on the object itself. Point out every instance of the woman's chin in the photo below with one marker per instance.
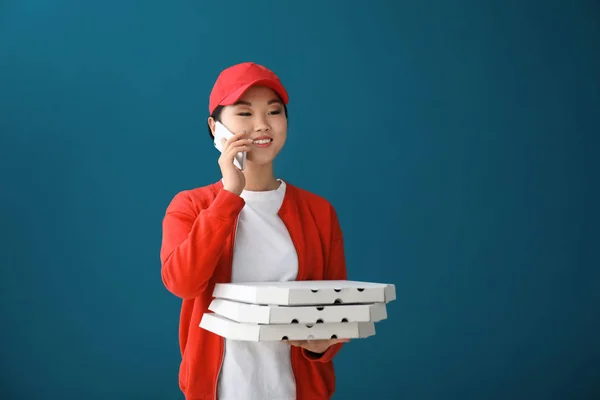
(260, 160)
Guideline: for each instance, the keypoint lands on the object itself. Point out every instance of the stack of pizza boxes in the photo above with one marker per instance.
(297, 310)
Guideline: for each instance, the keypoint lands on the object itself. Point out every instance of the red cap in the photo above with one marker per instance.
(233, 82)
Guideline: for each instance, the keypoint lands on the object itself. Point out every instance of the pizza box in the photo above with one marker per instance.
(293, 293)
(273, 314)
(233, 330)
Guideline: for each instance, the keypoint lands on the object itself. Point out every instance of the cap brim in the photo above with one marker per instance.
(272, 84)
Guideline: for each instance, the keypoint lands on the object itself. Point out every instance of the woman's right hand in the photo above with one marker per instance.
(233, 178)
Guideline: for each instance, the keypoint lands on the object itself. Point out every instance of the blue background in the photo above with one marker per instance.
(455, 138)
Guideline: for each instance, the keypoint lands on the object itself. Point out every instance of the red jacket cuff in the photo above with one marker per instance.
(227, 205)
(325, 357)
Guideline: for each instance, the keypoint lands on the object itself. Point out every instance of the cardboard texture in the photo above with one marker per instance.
(261, 314)
(297, 310)
(255, 332)
(306, 292)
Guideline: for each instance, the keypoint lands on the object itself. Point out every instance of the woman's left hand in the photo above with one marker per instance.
(316, 346)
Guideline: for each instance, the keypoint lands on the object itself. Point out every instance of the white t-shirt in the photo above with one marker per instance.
(263, 251)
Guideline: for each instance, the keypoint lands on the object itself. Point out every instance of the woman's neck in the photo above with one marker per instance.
(260, 178)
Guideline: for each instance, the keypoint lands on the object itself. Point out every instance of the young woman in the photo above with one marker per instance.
(249, 226)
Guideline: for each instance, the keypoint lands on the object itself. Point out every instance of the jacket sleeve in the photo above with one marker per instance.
(335, 270)
(192, 242)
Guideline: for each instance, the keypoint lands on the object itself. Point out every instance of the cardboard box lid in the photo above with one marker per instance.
(229, 329)
(306, 292)
(273, 314)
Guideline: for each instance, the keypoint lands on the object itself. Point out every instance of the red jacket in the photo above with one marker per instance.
(197, 252)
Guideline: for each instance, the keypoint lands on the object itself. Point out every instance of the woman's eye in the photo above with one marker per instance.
(244, 114)
(275, 112)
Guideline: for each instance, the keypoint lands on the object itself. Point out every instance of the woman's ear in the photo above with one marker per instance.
(211, 125)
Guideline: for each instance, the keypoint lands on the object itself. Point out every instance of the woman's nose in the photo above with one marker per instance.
(261, 125)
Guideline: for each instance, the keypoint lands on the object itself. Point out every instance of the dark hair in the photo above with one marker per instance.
(217, 117)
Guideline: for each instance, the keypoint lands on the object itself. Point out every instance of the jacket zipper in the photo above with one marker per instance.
(228, 279)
